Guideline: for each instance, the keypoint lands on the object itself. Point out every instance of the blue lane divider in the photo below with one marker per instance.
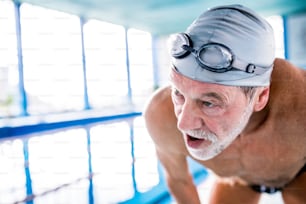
(12, 131)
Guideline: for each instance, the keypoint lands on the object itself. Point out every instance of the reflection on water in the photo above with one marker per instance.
(101, 163)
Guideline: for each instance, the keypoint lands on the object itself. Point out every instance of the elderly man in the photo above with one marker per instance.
(232, 107)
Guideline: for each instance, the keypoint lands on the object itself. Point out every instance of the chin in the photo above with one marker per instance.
(203, 155)
(208, 152)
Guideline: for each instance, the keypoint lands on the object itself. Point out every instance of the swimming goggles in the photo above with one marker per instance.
(214, 57)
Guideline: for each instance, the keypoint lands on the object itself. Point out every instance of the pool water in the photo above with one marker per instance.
(109, 162)
(100, 163)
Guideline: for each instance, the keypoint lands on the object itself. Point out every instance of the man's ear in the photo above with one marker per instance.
(262, 97)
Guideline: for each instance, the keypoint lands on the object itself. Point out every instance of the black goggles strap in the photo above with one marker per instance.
(249, 68)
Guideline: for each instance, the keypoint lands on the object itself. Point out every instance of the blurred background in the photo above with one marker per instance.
(74, 78)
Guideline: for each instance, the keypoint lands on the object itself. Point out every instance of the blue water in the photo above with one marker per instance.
(104, 163)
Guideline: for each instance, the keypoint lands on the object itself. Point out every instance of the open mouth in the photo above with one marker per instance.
(193, 138)
(194, 142)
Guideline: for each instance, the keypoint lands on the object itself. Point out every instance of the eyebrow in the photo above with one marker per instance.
(209, 94)
(213, 95)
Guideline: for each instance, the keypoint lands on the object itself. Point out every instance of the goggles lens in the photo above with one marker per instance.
(215, 56)
(176, 42)
(212, 56)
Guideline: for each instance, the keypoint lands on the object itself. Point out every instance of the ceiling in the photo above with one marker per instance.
(161, 17)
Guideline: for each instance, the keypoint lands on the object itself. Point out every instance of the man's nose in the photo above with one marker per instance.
(189, 118)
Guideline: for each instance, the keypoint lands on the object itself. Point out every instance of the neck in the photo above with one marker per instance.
(256, 120)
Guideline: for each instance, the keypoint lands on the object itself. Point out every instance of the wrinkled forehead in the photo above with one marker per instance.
(185, 84)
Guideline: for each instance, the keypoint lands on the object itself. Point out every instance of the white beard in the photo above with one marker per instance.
(218, 145)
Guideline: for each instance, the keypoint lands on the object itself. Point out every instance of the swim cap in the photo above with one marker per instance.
(249, 37)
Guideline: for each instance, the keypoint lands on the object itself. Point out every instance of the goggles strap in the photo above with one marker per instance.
(188, 48)
(249, 68)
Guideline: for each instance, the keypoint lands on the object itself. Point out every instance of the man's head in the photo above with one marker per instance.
(212, 116)
(215, 88)
(229, 45)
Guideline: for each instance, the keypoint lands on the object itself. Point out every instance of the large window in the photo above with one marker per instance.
(52, 60)
(106, 69)
(9, 94)
(277, 24)
(141, 67)
(117, 66)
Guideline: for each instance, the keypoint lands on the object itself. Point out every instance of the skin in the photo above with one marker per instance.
(269, 148)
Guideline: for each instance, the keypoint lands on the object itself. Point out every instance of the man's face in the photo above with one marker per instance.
(210, 116)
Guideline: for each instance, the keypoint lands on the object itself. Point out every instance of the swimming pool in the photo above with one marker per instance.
(110, 161)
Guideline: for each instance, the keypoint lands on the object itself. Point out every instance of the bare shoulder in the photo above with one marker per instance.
(287, 108)
(287, 92)
(159, 101)
(159, 112)
(286, 72)
(161, 121)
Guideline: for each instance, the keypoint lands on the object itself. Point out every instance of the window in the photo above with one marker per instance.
(105, 64)
(53, 62)
(52, 59)
(277, 24)
(141, 65)
(9, 94)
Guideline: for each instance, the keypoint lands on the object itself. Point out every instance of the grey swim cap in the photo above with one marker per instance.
(249, 37)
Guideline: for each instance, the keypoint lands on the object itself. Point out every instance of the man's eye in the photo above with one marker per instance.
(208, 104)
(177, 93)
(177, 96)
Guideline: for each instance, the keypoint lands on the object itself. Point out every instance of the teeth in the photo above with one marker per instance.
(197, 136)
(202, 136)
(193, 138)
